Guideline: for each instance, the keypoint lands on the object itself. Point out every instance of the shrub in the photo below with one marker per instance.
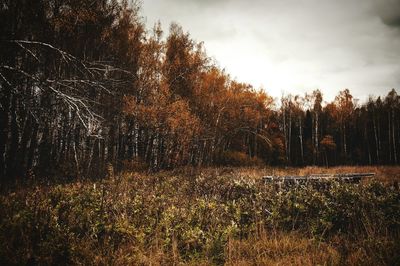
(209, 217)
(236, 158)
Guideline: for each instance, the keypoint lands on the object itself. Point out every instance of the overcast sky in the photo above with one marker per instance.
(294, 46)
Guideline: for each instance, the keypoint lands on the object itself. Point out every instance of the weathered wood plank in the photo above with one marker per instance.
(346, 177)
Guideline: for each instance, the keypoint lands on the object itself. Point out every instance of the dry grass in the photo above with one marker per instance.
(385, 174)
(281, 249)
(203, 216)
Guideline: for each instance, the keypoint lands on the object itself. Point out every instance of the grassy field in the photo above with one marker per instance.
(210, 216)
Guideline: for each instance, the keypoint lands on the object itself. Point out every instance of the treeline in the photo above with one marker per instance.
(341, 132)
(85, 88)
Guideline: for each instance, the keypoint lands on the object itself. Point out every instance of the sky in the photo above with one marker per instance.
(295, 46)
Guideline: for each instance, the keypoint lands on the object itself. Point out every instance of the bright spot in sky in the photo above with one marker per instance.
(295, 46)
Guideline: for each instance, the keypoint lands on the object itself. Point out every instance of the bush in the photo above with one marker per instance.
(236, 158)
(134, 165)
(205, 218)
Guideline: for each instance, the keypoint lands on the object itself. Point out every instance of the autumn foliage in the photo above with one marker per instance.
(84, 85)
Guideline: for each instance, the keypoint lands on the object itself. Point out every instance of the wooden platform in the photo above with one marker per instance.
(317, 178)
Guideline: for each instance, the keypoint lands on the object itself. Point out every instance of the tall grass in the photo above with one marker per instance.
(201, 217)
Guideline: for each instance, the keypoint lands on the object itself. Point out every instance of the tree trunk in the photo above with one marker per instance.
(376, 139)
(27, 133)
(326, 158)
(316, 148)
(285, 133)
(344, 140)
(394, 138)
(290, 136)
(32, 147)
(13, 148)
(390, 137)
(255, 143)
(301, 141)
(4, 121)
(367, 143)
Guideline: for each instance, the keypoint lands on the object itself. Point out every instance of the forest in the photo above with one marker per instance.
(86, 87)
(124, 145)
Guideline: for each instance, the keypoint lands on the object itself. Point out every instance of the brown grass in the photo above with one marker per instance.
(281, 249)
(385, 174)
(205, 217)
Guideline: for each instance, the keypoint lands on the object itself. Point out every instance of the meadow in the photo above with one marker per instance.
(109, 126)
(208, 216)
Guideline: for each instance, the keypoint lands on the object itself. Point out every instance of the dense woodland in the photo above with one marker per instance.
(85, 87)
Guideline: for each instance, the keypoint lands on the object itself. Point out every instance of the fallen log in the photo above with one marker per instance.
(318, 178)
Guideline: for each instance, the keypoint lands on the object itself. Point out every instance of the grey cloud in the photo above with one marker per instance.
(295, 44)
(203, 3)
(389, 12)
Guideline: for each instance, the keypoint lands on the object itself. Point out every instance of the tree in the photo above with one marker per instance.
(392, 102)
(299, 112)
(373, 114)
(327, 145)
(183, 61)
(314, 101)
(345, 108)
(85, 85)
(55, 77)
(286, 110)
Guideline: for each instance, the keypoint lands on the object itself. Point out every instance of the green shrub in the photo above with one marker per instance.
(168, 219)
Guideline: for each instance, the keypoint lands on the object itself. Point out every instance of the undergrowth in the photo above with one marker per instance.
(209, 217)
